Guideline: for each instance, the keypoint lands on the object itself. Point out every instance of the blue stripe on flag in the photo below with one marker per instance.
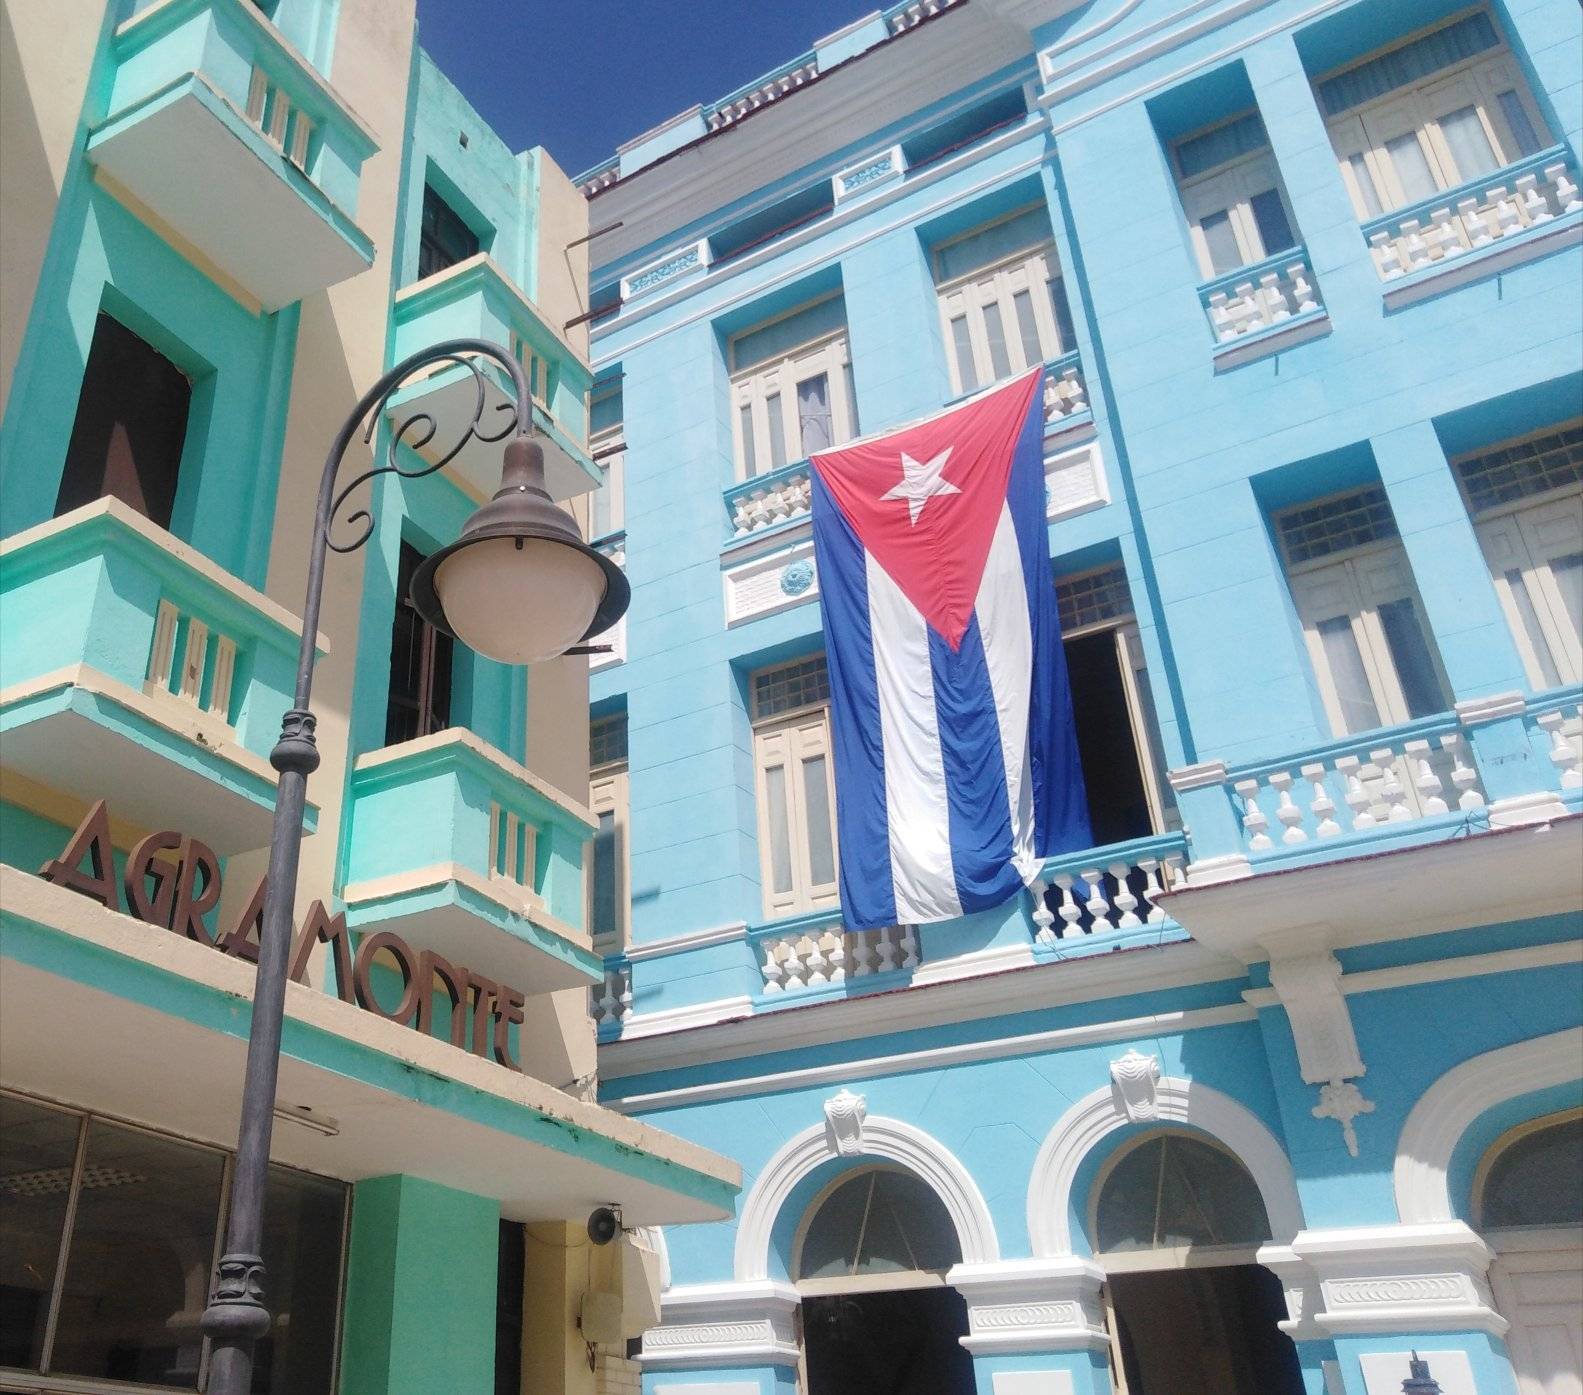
(868, 892)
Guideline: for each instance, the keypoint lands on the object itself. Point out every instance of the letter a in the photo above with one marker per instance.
(91, 840)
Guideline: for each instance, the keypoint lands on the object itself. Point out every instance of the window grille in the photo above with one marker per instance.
(1334, 525)
(1093, 597)
(1524, 468)
(787, 687)
(607, 739)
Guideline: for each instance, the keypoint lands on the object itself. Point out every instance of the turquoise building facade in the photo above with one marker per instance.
(1278, 1087)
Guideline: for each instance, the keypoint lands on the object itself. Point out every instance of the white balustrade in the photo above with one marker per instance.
(1262, 302)
(817, 958)
(1402, 782)
(770, 90)
(1065, 394)
(909, 15)
(181, 670)
(1499, 210)
(611, 1001)
(1107, 895)
(1564, 730)
(788, 497)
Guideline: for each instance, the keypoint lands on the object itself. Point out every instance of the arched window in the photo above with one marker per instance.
(878, 1221)
(1173, 1190)
(1534, 1175)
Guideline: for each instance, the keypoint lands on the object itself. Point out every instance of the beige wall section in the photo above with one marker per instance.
(562, 270)
(46, 54)
(560, 1265)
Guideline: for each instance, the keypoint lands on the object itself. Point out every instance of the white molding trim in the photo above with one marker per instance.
(993, 960)
(891, 1139)
(645, 1024)
(729, 1324)
(936, 1058)
(680, 944)
(1077, 1132)
(1451, 1105)
(1031, 1305)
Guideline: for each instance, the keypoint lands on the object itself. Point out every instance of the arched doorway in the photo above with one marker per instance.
(1528, 1204)
(878, 1318)
(1176, 1223)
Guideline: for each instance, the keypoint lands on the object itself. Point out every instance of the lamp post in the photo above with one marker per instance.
(518, 585)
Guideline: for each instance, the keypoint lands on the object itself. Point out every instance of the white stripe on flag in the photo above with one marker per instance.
(917, 811)
(1006, 629)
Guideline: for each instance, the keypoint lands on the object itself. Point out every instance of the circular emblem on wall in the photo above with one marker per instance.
(797, 577)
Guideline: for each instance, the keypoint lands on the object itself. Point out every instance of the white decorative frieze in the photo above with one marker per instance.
(673, 266)
(1136, 1077)
(732, 1324)
(871, 172)
(844, 1114)
(1074, 481)
(1031, 1305)
(764, 582)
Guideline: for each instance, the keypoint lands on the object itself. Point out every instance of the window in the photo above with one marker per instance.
(444, 238)
(1527, 502)
(796, 788)
(1372, 653)
(131, 426)
(1003, 305)
(608, 446)
(1236, 209)
(607, 858)
(792, 389)
(1172, 1191)
(421, 659)
(1430, 114)
(137, 1216)
(881, 1221)
(1534, 1175)
(1113, 709)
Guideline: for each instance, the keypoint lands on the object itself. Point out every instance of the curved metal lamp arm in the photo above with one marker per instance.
(236, 1316)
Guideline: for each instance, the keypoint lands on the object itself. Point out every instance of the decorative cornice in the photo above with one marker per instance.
(680, 944)
(1029, 1305)
(732, 1324)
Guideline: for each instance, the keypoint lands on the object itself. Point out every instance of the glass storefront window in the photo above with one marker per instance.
(139, 1215)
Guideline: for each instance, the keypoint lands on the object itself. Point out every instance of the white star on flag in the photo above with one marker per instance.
(921, 482)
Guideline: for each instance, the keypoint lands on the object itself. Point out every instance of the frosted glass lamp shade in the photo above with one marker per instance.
(519, 600)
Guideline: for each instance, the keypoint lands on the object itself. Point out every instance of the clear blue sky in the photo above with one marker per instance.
(579, 77)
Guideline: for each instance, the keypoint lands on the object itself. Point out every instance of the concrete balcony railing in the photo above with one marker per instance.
(462, 851)
(1267, 295)
(610, 1000)
(1504, 209)
(814, 952)
(475, 299)
(1106, 890)
(219, 127)
(1555, 723)
(1065, 391)
(135, 670)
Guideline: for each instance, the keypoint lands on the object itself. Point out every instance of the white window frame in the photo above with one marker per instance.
(1354, 583)
(1418, 108)
(787, 740)
(1230, 188)
(608, 794)
(755, 390)
(613, 481)
(996, 284)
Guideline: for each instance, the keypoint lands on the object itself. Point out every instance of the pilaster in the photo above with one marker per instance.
(1516, 782)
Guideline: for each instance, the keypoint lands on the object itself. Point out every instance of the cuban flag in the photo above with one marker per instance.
(955, 755)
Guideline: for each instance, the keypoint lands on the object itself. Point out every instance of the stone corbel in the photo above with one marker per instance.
(1032, 1305)
(1309, 987)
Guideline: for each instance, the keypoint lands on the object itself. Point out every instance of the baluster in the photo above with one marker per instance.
(1076, 392)
(1069, 911)
(1098, 907)
(862, 954)
(1302, 290)
(1322, 806)
(1507, 219)
(812, 950)
(1424, 778)
(1413, 242)
(1287, 811)
(1253, 818)
(1474, 221)
(1388, 258)
(1043, 916)
(1245, 308)
(624, 1002)
(1567, 196)
(1152, 889)
(1464, 777)
(837, 956)
(793, 965)
(1562, 756)
(887, 950)
(1273, 298)
(1350, 768)
(909, 948)
(1220, 317)
(1533, 201)
(774, 974)
(1126, 902)
(1391, 787)
(1052, 400)
(1443, 234)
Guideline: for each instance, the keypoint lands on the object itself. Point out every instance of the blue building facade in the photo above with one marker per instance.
(1279, 1084)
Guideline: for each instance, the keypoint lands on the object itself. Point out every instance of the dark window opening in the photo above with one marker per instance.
(905, 1342)
(965, 129)
(1118, 803)
(445, 238)
(131, 425)
(509, 1282)
(420, 665)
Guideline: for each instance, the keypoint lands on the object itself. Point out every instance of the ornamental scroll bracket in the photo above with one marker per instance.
(1135, 1079)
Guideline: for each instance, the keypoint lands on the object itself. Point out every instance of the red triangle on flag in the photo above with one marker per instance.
(925, 500)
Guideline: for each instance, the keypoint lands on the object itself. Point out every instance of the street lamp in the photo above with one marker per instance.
(519, 585)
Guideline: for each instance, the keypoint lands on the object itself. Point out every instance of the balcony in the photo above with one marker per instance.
(1096, 899)
(1522, 211)
(221, 130)
(134, 670)
(475, 299)
(460, 850)
(815, 955)
(1263, 307)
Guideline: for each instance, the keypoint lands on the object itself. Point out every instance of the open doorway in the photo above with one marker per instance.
(877, 1315)
(1177, 1224)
